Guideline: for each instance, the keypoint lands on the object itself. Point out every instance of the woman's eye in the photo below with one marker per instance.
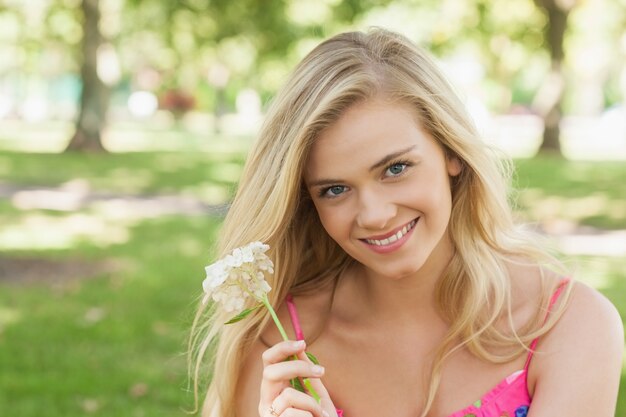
(333, 191)
(395, 169)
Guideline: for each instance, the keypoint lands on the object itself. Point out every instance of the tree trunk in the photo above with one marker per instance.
(95, 95)
(550, 95)
(547, 103)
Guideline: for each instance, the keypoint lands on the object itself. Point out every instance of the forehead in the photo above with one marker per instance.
(363, 134)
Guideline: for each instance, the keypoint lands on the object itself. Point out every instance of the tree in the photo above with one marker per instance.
(225, 44)
(548, 99)
(95, 95)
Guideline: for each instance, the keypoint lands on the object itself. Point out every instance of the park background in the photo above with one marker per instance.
(124, 125)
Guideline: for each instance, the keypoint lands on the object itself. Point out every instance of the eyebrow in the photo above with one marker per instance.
(380, 163)
(391, 157)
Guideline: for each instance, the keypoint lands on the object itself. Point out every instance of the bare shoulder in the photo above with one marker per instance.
(590, 322)
(577, 365)
(589, 301)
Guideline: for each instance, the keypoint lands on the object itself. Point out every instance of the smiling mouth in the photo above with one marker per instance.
(398, 235)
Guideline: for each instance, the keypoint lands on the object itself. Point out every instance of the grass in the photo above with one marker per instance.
(585, 193)
(83, 345)
(111, 342)
(135, 172)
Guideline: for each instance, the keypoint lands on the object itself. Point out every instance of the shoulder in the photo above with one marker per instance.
(530, 284)
(578, 362)
(589, 305)
(589, 321)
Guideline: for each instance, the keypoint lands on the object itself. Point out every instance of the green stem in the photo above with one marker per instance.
(281, 329)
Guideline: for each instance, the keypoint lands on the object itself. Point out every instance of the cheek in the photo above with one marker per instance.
(333, 222)
(431, 196)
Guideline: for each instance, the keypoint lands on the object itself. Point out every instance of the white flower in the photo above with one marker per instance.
(239, 275)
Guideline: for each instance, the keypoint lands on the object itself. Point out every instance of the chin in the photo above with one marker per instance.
(397, 274)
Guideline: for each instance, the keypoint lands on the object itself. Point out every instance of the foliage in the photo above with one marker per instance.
(176, 45)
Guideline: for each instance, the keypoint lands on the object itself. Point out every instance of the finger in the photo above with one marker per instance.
(294, 399)
(325, 401)
(285, 371)
(281, 351)
(294, 412)
(277, 373)
(315, 381)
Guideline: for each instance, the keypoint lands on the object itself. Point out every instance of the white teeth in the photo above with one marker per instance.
(392, 238)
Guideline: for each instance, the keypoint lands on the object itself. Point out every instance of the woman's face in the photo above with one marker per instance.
(380, 184)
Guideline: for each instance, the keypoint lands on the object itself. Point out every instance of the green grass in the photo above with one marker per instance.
(93, 340)
(585, 193)
(113, 344)
(134, 172)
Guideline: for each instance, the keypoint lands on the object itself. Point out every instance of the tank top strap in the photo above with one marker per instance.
(553, 300)
(295, 321)
(293, 314)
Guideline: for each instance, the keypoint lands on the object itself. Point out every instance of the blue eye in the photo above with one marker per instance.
(334, 191)
(396, 169)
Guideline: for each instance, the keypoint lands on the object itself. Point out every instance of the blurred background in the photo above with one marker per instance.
(124, 125)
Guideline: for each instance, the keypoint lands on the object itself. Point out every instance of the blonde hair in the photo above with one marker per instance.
(271, 205)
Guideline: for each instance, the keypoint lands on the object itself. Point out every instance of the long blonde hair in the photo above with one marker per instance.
(271, 205)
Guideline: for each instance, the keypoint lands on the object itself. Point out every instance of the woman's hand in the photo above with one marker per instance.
(278, 398)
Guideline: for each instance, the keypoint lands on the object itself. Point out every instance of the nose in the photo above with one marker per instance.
(375, 211)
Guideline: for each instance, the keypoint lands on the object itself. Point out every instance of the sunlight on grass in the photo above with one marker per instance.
(226, 172)
(9, 316)
(175, 162)
(6, 165)
(41, 231)
(581, 193)
(209, 193)
(598, 273)
(540, 205)
(130, 179)
(119, 136)
(67, 197)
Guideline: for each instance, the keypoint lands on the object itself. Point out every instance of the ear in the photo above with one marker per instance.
(454, 165)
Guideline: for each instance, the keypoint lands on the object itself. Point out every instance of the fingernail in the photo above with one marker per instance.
(298, 344)
(317, 370)
(325, 413)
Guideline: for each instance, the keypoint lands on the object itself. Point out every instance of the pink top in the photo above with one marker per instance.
(509, 398)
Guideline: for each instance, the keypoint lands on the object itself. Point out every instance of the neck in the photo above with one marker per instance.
(409, 297)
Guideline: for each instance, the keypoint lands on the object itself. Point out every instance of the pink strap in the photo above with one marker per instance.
(553, 301)
(295, 321)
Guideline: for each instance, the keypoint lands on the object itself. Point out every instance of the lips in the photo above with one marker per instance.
(390, 238)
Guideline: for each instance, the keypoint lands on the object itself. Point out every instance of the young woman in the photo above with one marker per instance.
(397, 261)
